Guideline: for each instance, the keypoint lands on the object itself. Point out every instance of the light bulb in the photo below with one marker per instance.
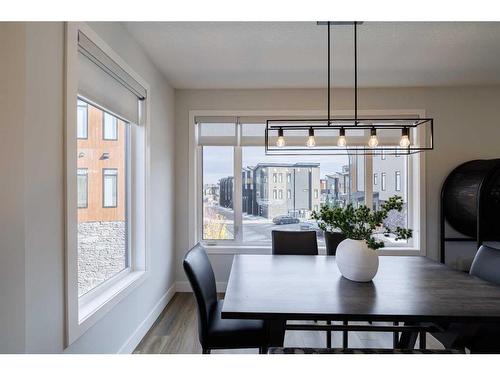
(405, 139)
(341, 142)
(281, 139)
(311, 142)
(373, 141)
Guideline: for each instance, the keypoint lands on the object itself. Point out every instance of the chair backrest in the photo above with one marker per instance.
(486, 264)
(294, 242)
(201, 277)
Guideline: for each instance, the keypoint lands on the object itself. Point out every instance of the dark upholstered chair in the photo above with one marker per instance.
(479, 338)
(294, 242)
(214, 332)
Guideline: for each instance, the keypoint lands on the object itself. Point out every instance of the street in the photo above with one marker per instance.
(255, 228)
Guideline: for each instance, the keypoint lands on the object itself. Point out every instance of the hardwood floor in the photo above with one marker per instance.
(176, 332)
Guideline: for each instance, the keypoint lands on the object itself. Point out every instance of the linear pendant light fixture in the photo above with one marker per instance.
(348, 135)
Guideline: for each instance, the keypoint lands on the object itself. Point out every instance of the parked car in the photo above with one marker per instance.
(285, 219)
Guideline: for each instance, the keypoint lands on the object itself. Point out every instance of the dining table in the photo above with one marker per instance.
(412, 294)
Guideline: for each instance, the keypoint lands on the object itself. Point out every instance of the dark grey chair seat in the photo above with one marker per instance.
(222, 332)
(213, 331)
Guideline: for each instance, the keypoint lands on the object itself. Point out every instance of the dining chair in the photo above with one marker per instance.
(294, 242)
(213, 331)
(478, 338)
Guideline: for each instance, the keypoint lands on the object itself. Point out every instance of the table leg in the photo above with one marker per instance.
(407, 340)
(395, 337)
(345, 337)
(422, 341)
(329, 336)
(276, 332)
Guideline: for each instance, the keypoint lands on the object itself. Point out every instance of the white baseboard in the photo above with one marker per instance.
(183, 286)
(146, 324)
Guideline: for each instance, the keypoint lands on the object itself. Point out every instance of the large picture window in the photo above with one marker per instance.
(273, 192)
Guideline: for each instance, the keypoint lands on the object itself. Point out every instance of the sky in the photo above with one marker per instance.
(218, 161)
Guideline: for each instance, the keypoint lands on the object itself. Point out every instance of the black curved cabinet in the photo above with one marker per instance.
(470, 202)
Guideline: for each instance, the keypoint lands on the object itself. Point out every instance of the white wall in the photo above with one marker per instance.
(32, 199)
(12, 288)
(466, 127)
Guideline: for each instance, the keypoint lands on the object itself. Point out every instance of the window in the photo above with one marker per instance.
(382, 155)
(311, 181)
(398, 167)
(82, 120)
(398, 181)
(110, 187)
(82, 186)
(218, 177)
(110, 127)
(102, 234)
(106, 249)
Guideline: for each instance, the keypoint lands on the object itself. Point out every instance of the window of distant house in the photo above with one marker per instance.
(275, 194)
(316, 194)
(275, 177)
(288, 178)
(288, 194)
(382, 176)
(280, 194)
(82, 186)
(398, 180)
(280, 178)
(110, 187)
(382, 155)
(81, 120)
(375, 179)
(110, 127)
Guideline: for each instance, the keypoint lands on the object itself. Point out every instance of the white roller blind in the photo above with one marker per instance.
(104, 82)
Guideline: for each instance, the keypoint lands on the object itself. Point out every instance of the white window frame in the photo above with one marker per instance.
(82, 313)
(416, 185)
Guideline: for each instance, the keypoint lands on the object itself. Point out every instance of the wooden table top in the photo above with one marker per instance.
(406, 288)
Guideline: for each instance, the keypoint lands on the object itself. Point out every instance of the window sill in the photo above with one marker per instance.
(90, 310)
(263, 249)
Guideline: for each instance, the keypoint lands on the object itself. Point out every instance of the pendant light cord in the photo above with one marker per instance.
(355, 73)
(328, 73)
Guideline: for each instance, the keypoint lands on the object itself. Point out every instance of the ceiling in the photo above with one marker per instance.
(213, 55)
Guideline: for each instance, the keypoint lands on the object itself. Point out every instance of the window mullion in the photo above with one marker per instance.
(369, 181)
(237, 198)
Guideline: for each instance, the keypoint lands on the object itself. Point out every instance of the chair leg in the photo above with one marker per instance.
(205, 351)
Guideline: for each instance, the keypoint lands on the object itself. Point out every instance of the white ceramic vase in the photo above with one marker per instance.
(356, 261)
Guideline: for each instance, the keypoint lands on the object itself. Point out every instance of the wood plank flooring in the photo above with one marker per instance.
(176, 332)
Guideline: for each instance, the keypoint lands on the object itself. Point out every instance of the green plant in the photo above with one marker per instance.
(361, 223)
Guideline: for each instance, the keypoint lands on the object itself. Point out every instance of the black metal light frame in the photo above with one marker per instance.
(403, 124)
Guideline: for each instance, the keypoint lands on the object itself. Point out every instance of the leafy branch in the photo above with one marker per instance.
(360, 223)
